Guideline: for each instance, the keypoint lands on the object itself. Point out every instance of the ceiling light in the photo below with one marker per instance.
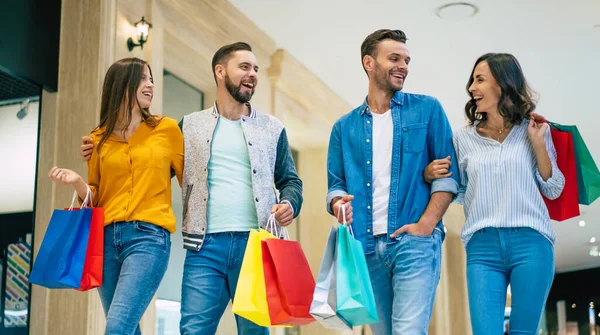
(594, 251)
(581, 223)
(593, 240)
(457, 11)
(573, 306)
(24, 110)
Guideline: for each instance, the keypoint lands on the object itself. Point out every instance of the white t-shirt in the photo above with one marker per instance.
(383, 138)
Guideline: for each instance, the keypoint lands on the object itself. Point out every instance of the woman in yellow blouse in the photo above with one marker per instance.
(129, 175)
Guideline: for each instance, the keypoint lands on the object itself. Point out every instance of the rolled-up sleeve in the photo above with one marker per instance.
(336, 178)
(553, 187)
(462, 173)
(439, 142)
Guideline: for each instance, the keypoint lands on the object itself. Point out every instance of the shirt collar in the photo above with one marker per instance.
(215, 110)
(397, 98)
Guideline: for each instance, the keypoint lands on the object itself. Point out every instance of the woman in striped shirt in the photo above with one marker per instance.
(506, 162)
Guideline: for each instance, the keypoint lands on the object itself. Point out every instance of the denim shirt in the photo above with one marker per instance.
(422, 133)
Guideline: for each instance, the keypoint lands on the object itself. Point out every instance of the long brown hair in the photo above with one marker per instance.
(516, 100)
(119, 96)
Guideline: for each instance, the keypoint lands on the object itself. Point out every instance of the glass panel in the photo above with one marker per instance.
(19, 126)
(18, 258)
(179, 99)
(167, 317)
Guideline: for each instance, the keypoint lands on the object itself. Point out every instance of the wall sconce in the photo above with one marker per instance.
(143, 28)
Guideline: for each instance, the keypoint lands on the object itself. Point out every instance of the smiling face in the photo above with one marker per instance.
(145, 90)
(497, 86)
(485, 90)
(239, 75)
(389, 68)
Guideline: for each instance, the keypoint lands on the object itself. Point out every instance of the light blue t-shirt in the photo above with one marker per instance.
(231, 199)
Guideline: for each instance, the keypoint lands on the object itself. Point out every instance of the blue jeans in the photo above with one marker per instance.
(496, 257)
(210, 277)
(404, 275)
(135, 260)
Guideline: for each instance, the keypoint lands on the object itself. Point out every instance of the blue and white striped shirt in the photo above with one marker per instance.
(500, 182)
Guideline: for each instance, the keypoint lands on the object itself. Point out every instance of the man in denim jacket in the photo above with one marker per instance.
(377, 155)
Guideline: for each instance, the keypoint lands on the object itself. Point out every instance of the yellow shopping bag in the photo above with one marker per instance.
(250, 301)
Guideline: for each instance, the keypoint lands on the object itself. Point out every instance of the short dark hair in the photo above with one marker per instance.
(369, 45)
(224, 53)
(516, 98)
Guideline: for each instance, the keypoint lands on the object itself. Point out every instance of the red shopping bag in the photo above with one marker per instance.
(289, 282)
(567, 205)
(94, 256)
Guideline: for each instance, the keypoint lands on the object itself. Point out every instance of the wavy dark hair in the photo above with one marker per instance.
(119, 96)
(516, 100)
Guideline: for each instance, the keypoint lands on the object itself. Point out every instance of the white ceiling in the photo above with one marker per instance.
(555, 41)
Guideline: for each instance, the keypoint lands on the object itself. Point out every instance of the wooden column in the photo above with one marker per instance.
(85, 49)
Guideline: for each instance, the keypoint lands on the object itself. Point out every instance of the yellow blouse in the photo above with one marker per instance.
(131, 179)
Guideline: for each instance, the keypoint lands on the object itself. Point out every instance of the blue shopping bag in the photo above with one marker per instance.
(355, 299)
(60, 261)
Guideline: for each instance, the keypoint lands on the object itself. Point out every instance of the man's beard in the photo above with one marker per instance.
(382, 81)
(236, 92)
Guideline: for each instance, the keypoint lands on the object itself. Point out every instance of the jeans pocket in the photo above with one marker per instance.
(149, 228)
(208, 238)
(424, 238)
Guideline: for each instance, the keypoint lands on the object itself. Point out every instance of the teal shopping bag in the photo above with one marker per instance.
(355, 299)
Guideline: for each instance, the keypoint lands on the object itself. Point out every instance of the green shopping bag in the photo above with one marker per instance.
(588, 176)
(355, 298)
